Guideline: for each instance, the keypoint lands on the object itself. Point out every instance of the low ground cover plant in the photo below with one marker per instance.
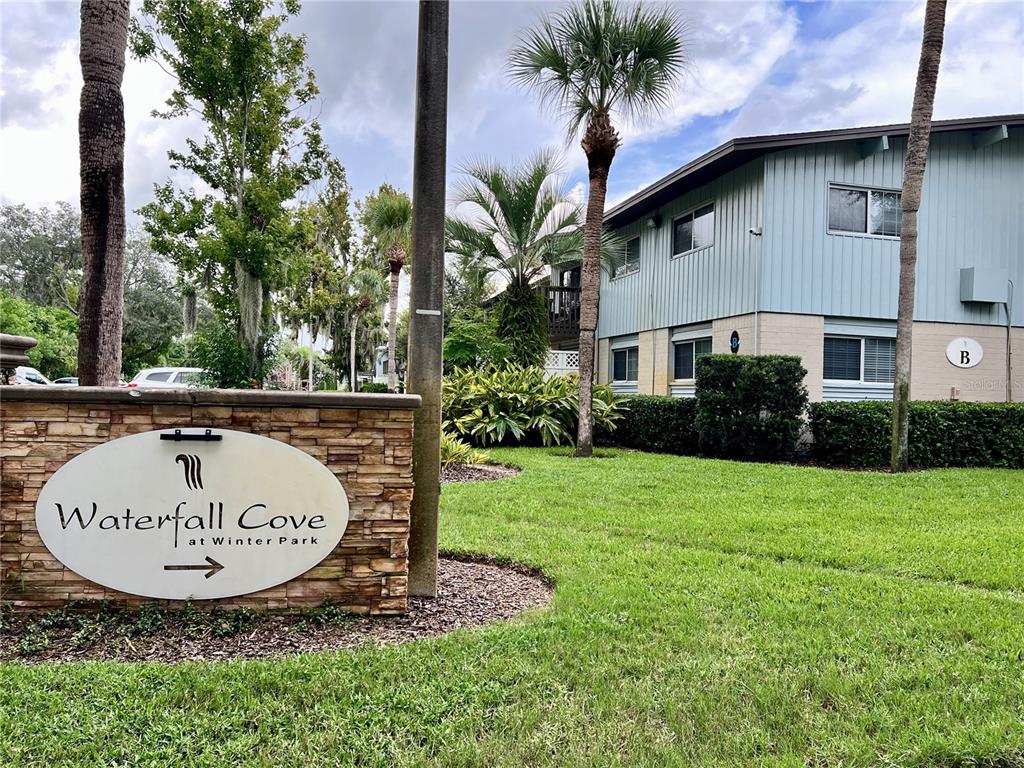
(516, 405)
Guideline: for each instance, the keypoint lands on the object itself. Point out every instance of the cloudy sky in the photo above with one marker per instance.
(755, 68)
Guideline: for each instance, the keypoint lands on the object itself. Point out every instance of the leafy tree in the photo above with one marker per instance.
(41, 264)
(516, 222)
(467, 285)
(388, 217)
(910, 201)
(592, 61)
(41, 254)
(55, 330)
(227, 362)
(334, 219)
(152, 309)
(248, 80)
(104, 39)
(473, 341)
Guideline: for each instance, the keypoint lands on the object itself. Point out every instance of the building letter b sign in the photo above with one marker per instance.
(964, 352)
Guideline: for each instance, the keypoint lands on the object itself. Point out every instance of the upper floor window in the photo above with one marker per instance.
(693, 230)
(864, 211)
(686, 354)
(868, 360)
(630, 257)
(625, 364)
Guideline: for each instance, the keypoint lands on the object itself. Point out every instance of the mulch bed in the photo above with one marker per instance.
(470, 594)
(472, 473)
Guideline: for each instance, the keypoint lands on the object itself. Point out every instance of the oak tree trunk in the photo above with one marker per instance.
(910, 203)
(393, 328)
(599, 143)
(104, 37)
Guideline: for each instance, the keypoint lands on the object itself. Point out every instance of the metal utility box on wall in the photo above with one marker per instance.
(983, 284)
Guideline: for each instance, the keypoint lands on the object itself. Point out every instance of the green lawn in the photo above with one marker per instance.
(706, 613)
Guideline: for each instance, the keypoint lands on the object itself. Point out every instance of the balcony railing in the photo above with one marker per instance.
(563, 311)
(562, 362)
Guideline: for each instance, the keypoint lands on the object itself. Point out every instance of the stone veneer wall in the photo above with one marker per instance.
(365, 440)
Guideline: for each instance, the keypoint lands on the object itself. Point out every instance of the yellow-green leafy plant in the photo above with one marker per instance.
(457, 451)
(520, 405)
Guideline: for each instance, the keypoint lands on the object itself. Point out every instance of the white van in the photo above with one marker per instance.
(167, 378)
(26, 375)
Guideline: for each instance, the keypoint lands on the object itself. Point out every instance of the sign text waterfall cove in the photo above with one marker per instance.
(232, 514)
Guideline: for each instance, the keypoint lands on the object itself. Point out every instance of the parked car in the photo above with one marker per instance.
(67, 381)
(23, 374)
(167, 378)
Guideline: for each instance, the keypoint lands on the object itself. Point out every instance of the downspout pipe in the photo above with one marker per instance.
(1008, 306)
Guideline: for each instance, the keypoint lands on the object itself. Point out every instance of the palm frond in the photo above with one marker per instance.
(515, 220)
(388, 217)
(601, 57)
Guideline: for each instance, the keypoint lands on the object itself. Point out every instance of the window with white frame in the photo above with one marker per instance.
(630, 257)
(693, 230)
(863, 211)
(867, 360)
(625, 364)
(685, 357)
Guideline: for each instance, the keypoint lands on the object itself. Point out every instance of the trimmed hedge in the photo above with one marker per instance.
(942, 433)
(750, 406)
(656, 423)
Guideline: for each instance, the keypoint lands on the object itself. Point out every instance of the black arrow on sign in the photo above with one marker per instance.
(211, 569)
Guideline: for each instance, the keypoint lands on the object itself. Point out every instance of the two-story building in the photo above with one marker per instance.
(789, 244)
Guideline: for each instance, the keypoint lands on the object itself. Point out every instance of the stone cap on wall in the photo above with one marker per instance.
(258, 398)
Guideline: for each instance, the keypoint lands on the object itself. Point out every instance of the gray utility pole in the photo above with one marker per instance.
(427, 290)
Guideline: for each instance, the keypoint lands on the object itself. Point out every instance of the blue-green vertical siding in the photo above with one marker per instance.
(717, 281)
(972, 214)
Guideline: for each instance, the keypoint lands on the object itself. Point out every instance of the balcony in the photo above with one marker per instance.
(563, 311)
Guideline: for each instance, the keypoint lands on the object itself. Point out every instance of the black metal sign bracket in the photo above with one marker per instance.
(177, 435)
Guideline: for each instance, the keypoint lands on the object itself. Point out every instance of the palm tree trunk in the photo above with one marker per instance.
(913, 177)
(104, 37)
(599, 144)
(352, 353)
(393, 330)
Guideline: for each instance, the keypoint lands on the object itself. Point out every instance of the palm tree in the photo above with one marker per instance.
(592, 61)
(518, 222)
(910, 202)
(104, 38)
(367, 290)
(388, 217)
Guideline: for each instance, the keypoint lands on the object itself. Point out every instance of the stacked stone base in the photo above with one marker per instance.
(365, 440)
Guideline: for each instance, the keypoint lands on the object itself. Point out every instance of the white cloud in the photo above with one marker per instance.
(733, 47)
(39, 160)
(749, 58)
(865, 74)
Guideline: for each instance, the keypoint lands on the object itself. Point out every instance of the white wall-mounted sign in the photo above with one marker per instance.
(964, 352)
(202, 518)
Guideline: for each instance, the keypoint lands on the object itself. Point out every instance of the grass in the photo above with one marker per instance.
(706, 613)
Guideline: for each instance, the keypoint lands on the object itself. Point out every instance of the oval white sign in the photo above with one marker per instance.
(200, 519)
(964, 352)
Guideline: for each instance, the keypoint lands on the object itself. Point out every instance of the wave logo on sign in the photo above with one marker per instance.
(193, 466)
